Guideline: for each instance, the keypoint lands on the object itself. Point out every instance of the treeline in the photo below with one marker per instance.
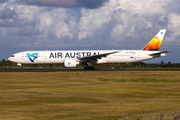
(139, 65)
(8, 64)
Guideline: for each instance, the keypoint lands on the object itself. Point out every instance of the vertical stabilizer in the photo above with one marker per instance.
(155, 43)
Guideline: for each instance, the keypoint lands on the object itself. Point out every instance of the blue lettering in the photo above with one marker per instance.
(51, 55)
(59, 55)
(94, 53)
(83, 54)
(72, 56)
(67, 55)
(78, 55)
(88, 54)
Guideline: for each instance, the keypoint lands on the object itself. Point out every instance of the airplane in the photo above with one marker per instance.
(72, 58)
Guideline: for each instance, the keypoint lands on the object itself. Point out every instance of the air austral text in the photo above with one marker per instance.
(72, 54)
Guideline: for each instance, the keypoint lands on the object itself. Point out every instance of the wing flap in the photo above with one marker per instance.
(95, 57)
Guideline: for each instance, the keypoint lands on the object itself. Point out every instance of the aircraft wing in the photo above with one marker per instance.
(95, 57)
(158, 54)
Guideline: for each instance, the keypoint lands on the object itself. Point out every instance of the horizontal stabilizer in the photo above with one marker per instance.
(159, 54)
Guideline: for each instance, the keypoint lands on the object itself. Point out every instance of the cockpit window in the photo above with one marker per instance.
(12, 55)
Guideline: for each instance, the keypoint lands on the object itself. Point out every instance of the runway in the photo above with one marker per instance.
(82, 69)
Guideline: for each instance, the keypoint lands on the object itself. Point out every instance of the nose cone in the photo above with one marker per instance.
(10, 58)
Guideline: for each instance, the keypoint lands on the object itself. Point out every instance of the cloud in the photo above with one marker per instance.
(55, 3)
(7, 13)
(3, 1)
(91, 4)
(106, 24)
(27, 32)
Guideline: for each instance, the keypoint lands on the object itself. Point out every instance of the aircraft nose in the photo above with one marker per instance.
(10, 58)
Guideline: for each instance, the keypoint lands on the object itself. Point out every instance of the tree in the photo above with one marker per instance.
(162, 62)
(3, 62)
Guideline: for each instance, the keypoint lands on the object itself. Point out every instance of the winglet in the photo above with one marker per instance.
(155, 43)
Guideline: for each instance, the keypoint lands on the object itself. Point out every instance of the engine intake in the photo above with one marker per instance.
(69, 63)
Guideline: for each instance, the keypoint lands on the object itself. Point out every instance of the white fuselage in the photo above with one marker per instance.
(88, 57)
(58, 57)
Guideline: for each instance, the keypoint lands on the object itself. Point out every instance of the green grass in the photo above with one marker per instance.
(89, 95)
(40, 100)
(139, 80)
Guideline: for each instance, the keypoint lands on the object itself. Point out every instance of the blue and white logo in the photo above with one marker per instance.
(69, 63)
(162, 33)
(32, 57)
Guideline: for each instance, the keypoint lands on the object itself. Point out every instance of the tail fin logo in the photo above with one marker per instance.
(155, 43)
(32, 57)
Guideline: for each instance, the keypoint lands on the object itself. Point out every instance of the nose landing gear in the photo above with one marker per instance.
(20, 66)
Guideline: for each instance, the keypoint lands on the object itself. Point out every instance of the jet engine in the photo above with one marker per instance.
(70, 63)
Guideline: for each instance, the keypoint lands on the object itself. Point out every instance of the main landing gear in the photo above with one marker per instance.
(89, 68)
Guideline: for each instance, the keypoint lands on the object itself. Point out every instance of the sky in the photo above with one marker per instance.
(88, 25)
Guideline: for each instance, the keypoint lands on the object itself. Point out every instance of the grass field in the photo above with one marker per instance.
(89, 95)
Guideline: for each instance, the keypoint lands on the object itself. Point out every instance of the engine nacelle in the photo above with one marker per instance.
(70, 63)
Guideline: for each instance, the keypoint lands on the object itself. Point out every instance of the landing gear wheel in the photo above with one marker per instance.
(92, 68)
(89, 68)
(20, 68)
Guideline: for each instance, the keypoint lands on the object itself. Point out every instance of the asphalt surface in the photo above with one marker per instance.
(79, 69)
